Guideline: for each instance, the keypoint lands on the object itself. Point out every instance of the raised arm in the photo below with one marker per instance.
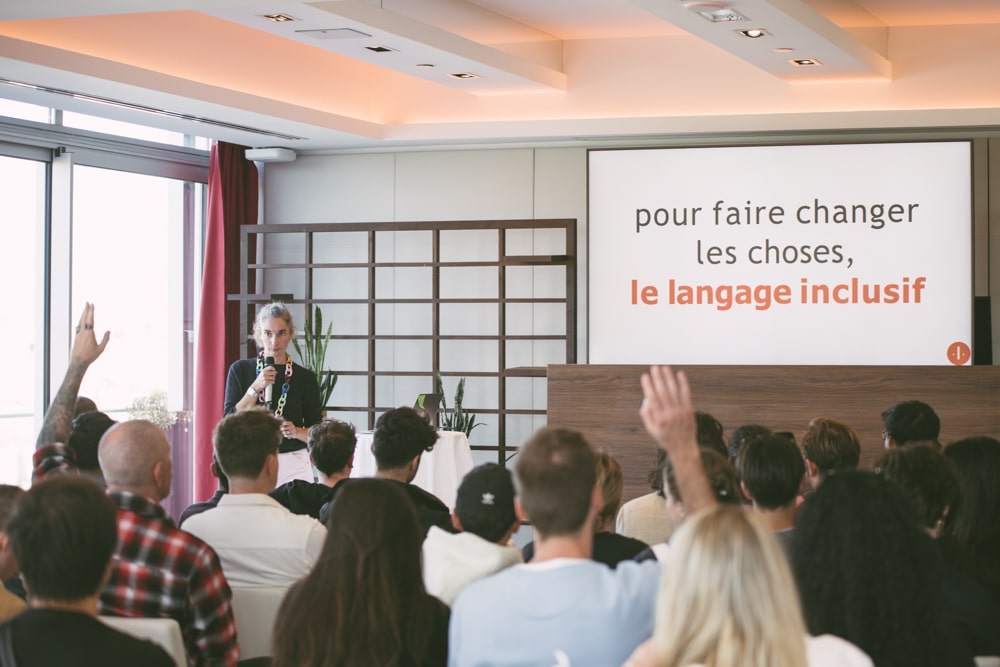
(86, 349)
(669, 418)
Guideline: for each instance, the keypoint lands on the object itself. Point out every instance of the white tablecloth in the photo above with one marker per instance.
(441, 469)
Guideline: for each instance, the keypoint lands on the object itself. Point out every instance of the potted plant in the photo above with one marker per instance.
(455, 419)
(154, 408)
(312, 354)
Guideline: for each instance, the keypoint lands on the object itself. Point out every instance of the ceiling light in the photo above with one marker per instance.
(754, 33)
(279, 18)
(425, 65)
(783, 49)
(716, 12)
(805, 62)
(379, 49)
(464, 75)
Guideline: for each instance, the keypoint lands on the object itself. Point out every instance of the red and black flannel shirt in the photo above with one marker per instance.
(161, 571)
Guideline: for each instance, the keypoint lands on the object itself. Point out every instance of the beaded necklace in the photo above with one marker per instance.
(278, 411)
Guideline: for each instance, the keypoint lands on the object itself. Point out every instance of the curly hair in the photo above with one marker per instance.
(866, 572)
(926, 477)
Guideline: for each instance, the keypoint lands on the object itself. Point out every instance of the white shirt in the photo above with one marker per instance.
(645, 518)
(452, 562)
(258, 541)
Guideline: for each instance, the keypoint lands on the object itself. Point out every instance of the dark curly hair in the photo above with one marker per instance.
(400, 435)
(926, 477)
(867, 573)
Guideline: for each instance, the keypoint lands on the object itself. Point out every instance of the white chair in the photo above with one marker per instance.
(255, 609)
(987, 661)
(165, 632)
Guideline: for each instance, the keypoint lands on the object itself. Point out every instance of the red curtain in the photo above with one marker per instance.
(232, 202)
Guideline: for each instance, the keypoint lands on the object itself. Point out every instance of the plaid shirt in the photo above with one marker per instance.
(161, 571)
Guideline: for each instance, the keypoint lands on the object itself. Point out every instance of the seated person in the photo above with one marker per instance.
(741, 436)
(910, 421)
(484, 515)
(63, 533)
(829, 447)
(646, 518)
(331, 447)
(259, 542)
(86, 433)
(771, 471)
(10, 604)
(563, 608)
(721, 478)
(609, 548)
(401, 436)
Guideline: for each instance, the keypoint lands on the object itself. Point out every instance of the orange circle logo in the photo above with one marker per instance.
(959, 353)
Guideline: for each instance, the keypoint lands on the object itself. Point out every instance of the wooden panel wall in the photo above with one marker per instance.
(603, 402)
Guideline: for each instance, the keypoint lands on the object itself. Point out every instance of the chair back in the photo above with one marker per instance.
(255, 610)
(164, 632)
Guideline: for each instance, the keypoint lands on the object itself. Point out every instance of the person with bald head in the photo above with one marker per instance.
(157, 570)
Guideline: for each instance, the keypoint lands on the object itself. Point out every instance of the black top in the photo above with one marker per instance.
(302, 497)
(430, 510)
(46, 637)
(609, 548)
(302, 406)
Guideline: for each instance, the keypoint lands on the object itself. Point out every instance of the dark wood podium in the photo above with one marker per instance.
(603, 401)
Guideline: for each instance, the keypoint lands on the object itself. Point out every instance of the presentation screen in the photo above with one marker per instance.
(824, 254)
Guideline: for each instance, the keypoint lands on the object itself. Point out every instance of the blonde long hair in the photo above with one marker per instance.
(727, 598)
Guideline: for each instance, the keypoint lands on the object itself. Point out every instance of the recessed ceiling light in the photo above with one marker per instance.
(805, 62)
(754, 33)
(279, 18)
(379, 49)
(783, 49)
(716, 12)
(464, 75)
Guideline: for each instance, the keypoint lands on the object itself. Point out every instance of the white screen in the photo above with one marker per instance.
(834, 254)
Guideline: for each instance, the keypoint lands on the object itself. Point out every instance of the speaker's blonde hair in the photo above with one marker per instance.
(727, 597)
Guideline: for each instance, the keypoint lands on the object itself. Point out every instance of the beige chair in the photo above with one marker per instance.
(987, 661)
(165, 632)
(255, 609)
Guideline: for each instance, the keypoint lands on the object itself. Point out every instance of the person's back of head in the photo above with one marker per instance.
(400, 436)
(555, 476)
(971, 532)
(866, 572)
(244, 441)
(9, 495)
(331, 445)
(611, 481)
(771, 468)
(364, 602)
(84, 404)
(926, 477)
(710, 433)
(84, 437)
(728, 598)
(720, 474)
(910, 421)
(135, 457)
(484, 504)
(742, 435)
(63, 532)
(830, 446)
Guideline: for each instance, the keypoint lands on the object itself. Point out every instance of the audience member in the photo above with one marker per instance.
(646, 518)
(741, 436)
(259, 541)
(331, 450)
(867, 573)
(710, 433)
(721, 478)
(771, 471)
(609, 548)
(401, 437)
(484, 515)
(908, 422)
(63, 532)
(87, 429)
(181, 576)
(364, 603)
(928, 479)
(10, 604)
(213, 501)
(728, 600)
(563, 607)
(84, 404)
(829, 447)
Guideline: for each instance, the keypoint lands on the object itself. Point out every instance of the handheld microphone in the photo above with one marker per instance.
(268, 389)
